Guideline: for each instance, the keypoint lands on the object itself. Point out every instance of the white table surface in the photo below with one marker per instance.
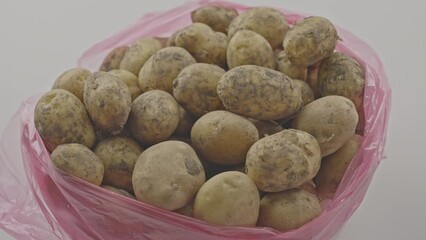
(41, 39)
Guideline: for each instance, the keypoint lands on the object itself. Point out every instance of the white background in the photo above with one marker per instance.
(41, 39)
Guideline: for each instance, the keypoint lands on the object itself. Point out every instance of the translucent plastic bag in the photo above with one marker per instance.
(39, 202)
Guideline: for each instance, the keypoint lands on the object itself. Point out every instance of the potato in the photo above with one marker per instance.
(163, 67)
(312, 79)
(118, 191)
(218, 18)
(195, 88)
(73, 81)
(107, 99)
(119, 155)
(113, 59)
(60, 118)
(222, 137)
(139, 52)
(283, 161)
(186, 121)
(79, 161)
(230, 199)
(268, 22)
(154, 117)
(259, 93)
(334, 167)
(310, 41)
(288, 210)
(331, 120)
(186, 210)
(290, 69)
(168, 175)
(307, 93)
(204, 44)
(266, 128)
(130, 80)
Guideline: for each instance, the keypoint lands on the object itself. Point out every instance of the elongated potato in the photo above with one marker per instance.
(154, 117)
(139, 52)
(266, 128)
(113, 59)
(73, 81)
(79, 161)
(195, 88)
(307, 93)
(107, 99)
(223, 137)
(168, 175)
(334, 167)
(259, 93)
(286, 66)
(130, 80)
(331, 120)
(283, 161)
(249, 48)
(163, 67)
(218, 18)
(310, 41)
(60, 118)
(268, 22)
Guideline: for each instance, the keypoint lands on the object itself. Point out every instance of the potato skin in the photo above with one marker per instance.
(139, 52)
(331, 120)
(107, 99)
(283, 161)
(168, 175)
(195, 88)
(130, 80)
(334, 167)
(79, 161)
(266, 128)
(154, 117)
(73, 81)
(310, 41)
(60, 118)
(286, 66)
(268, 22)
(229, 199)
(118, 191)
(218, 18)
(307, 93)
(163, 67)
(249, 48)
(288, 210)
(186, 121)
(222, 137)
(119, 155)
(259, 93)
(204, 44)
(113, 59)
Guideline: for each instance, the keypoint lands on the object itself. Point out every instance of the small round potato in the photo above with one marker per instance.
(224, 138)
(195, 88)
(288, 210)
(118, 191)
(283, 161)
(268, 22)
(310, 41)
(79, 161)
(290, 69)
(119, 155)
(113, 59)
(249, 48)
(154, 117)
(139, 52)
(186, 121)
(334, 167)
(163, 67)
(259, 93)
(73, 81)
(60, 118)
(229, 199)
(218, 18)
(331, 120)
(168, 175)
(307, 93)
(107, 99)
(204, 44)
(266, 128)
(130, 80)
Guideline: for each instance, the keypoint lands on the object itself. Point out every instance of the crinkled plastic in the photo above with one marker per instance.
(40, 202)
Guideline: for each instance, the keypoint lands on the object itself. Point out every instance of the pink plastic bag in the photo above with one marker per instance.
(39, 202)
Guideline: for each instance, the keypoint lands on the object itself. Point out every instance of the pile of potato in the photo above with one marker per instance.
(237, 119)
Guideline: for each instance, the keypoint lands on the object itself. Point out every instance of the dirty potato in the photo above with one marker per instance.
(218, 18)
(130, 80)
(286, 66)
(113, 59)
(73, 81)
